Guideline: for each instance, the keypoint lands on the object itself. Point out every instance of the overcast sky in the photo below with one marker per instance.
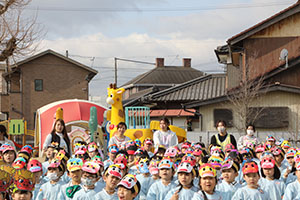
(96, 31)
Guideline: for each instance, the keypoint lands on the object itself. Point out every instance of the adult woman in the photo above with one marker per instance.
(222, 138)
(164, 136)
(4, 137)
(59, 135)
(119, 136)
(248, 138)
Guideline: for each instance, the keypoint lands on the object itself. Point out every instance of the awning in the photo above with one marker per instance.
(171, 113)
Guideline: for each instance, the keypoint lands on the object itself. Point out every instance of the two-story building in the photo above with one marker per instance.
(42, 79)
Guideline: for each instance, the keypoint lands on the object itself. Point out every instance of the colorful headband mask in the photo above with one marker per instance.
(24, 180)
(186, 167)
(153, 167)
(113, 149)
(129, 182)
(74, 164)
(229, 163)
(207, 170)
(114, 170)
(5, 180)
(250, 167)
(215, 161)
(98, 159)
(19, 163)
(267, 163)
(171, 152)
(92, 147)
(121, 161)
(91, 167)
(165, 163)
(34, 166)
(143, 166)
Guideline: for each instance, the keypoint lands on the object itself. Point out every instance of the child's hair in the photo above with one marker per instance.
(97, 174)
(132, 189)
(3, 130)
(181, 186)
(221, 121)
(277, 173)
(204, 195)
(252, 126)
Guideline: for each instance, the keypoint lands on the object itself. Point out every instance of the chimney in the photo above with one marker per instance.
(186, 62)
(160, 62)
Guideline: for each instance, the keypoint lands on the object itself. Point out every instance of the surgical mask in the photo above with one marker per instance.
(87, 181)
(52, 176)
(250, 132)
(221, 129)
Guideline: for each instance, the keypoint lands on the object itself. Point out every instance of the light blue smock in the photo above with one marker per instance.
(245, 193)
(184, 194)
(103, 195)
(274, 188)
(50, 191)
(158, 190)
(146, 183)
(227, 189)
(86, 194)
(215, 196)
(292, 191)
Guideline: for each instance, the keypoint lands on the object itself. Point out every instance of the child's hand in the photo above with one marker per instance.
(287, 173)
(175, 196)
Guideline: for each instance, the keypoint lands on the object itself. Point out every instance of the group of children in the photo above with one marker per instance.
(270, 170)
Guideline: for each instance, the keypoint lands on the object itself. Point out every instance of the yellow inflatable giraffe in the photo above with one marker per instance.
(117, 113)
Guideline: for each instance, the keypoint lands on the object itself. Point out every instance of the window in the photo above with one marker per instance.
(225, 115)
(38, 85)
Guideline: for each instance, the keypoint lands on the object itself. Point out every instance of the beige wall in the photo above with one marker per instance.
(275, 99)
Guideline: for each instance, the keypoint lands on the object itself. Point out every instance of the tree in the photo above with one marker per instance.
(243, 97)
(18, 35)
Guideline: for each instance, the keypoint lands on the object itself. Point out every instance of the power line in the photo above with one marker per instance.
(223, 7)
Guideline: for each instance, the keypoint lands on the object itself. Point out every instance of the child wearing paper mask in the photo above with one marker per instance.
(128, 188)
(36, 168)
(228, 185)
(90, 175)
(186, 190)
(292, 189)
(252, 190)
(51, 189)
(161, 187)
(112, 177)
(270, 178)
(144, 177)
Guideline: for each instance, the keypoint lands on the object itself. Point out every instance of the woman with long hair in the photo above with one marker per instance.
(58, 135)
(165, 136)
(4, 137)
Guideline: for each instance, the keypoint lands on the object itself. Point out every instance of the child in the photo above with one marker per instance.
(112, 152)
(36, 168)
(186, 189)
(153, 168)
(259, 150)
(51, 189)
(121, 161)
(9, 155)
(93, 150)
(128, 188)
(90, 176)
(160, 188)
(207, 184)
(279, 155)
(112, 177)
(148, 145)
(144, 178)
(270, 181)
(228, 186)
(50, 154)
(251, 191)
(23, 185)
(292, 190)
(159, 153)
(74, 171)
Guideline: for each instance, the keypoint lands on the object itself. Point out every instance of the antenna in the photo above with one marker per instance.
(284, 56)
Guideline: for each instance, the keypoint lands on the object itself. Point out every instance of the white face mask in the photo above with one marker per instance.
(52, 176)
(221, 129)
(250, 132)
(87, 181)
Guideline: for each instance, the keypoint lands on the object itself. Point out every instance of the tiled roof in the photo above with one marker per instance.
(199, 89)
(265, 23)
(166, 75)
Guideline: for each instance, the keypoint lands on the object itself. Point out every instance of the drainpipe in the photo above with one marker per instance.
(195, 113)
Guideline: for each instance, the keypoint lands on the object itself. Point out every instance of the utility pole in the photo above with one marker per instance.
(127, 60)
(116, 72)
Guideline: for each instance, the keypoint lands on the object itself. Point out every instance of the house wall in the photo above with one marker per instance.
(272, 99)
(61, 80)
(263, 49)
(233, 76)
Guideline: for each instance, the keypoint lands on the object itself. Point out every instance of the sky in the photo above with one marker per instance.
(96, 31)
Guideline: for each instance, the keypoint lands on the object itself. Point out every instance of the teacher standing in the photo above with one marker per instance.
(58, 135)
(164, 136)
(222, 138)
